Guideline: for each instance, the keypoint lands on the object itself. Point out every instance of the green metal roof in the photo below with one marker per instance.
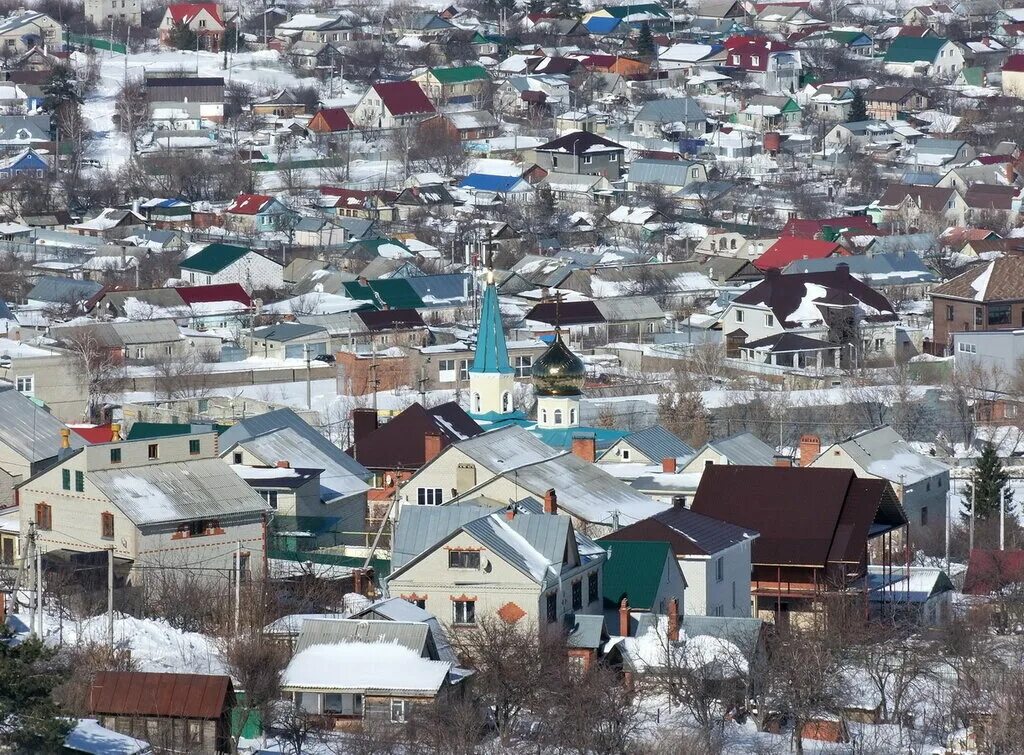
(974, 76)
(633, 570)
(214, 258)
(148, 430)
(848, 37)
(914, 49)
(390, 293)
(622, 11)
(460, 74)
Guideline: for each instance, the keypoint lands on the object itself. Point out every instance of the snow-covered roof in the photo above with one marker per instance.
(365, 667)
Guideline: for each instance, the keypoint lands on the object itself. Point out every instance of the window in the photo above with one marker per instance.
(719, 569)
(572, 416)
(115, 455)
(399, 708)
(625, 454)
(79, 482)
(613, 157)
(506, 402)
(428, 496)
(44, 516)
(237, 458)
(1010, 411)
(998, 314)
(464, 611)
(924, 516)
(464, 370)
(879, 344)
(25, 384)
(978, 317)
(735, 60)
(577, 595)
(592, 590)
(552, 607)
(446, 370)
(695, 173)
(65, 479)
(967, 348)
(270, 496)
(523, 365)
(140, 352)
(769, 321)
(558, 416)
(755, 60)
(200, 527)
(739, 315)
(554, 161)
(734, 596)
(153, 451)
(107, 525)
(167, 350)
(544, 416)
(463, 559)
(949, 313)
(588, 159)
(343, 703)
(193, 447)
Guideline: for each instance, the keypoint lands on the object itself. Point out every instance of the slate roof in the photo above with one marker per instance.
(662, 172)
(884, 453)
(397, 609)
(399, 442)
(287, 331)
(60, 290)
(681, 109)
(656, 443)
(174, 492)
(31, 431)
(743, 448)
(806, 516)
(633, 570)
(689, 533)
(214, 257)
(1001, 279)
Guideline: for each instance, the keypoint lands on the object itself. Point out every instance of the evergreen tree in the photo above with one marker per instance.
(29, 719)
(987, 481)
(60, 90)
(645, 45)
(858, 108)
(182, 37)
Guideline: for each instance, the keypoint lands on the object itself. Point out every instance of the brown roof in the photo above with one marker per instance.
(806, 516)
(400, 443)
(889, 94)
(990, 197)
(929, 198)
(1001, 279)
(132, 693)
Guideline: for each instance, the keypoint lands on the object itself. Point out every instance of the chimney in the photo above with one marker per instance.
(282, 464)
(624, 617)
(65, 438)
(584, 445)
(431, 446)
(843, 269)
(1011, 172)
(364, 422)
(679, 501)
(510, 512)
(810, 447)
(115, 432)
(668, 465)
(708, 464)
(673, 620)
(782, 461)
(550, 502)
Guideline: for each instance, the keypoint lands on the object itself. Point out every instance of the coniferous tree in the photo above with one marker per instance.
(30, 721)
(182, 37)
(645, 44)
(988, 479)
(858, 108)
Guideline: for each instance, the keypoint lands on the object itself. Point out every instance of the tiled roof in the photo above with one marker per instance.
(1001, 279)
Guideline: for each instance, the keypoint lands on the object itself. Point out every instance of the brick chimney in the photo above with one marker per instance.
(115, 432)
(550, 502)
(510, 512)
(624, 617)
(65, 438)
(709, 463)
(364, 422)
(431, 446)
(584, 445)
(673, 620)
(668, 465)
(810, 447)
(782, 461)
(282, 464)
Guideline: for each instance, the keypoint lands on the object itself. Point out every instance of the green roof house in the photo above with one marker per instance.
(645, 574)
(936, 57)
(226, 263)
(455, 85)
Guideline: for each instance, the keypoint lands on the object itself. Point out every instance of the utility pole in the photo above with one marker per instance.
(238, 584)
(974, 491)
(423, 385)
(27, 563)
(39, 589)
(309, 385)
(110, 597)
(1002, 518)
(374, 382)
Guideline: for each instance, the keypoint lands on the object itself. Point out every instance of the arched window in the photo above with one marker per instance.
(572, 416)
(544, 416)
(476, 403)
(721, 243)
(558, 416)
(506, 402)
(732, 244)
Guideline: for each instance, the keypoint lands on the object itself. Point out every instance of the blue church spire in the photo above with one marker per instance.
(491, 352)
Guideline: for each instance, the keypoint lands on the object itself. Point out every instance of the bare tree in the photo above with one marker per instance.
(103, 375)
(256, 663)
(131, 108)
(185, 374)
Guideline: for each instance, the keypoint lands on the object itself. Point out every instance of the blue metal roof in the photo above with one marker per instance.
(484, 182)
(491, 351)
(602, 25)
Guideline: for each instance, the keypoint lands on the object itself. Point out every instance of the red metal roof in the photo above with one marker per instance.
(93, 435)
(336, 119)
(792, 248)
(214, 293)
(133, 693)
(182, 13)
(403, 97)
(1014, 63)
(249, 204)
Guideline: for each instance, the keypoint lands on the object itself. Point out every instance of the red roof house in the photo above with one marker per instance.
(989, 572)
(218, 292)
(205, 19)
(792, 248)
(249, 204)
(331, 120)
(403, 98)
(93, 434)
(1014, 63)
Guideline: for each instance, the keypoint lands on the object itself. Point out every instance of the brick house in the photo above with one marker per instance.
(987, 297)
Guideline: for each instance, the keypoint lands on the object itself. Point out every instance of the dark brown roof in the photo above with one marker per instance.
(689, 533)
(1001, 279)
(390, 319)
(928, 198)
(131, 693)
(806, 516)
(578, 142)
(890, 94)
(399, 443)
(566, 313)
(989, 197)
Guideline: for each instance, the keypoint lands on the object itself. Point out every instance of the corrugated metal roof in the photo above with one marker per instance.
(412, 635)
(420, 527)
(630, 308)
(397, 609)
(132, 693)
(745, 448)
(883, 452)
(178, 491)
(688, 532)
(60, 290)
(656, 443)
(664, 172)
(545, 534)
(633, 570)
